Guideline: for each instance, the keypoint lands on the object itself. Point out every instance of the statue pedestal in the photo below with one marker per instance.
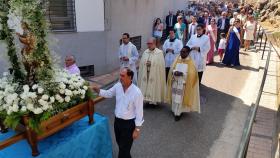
(52, 125)
(3, 129)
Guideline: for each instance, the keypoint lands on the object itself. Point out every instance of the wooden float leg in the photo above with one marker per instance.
(90, 111)
(2, 126)
(31, 137)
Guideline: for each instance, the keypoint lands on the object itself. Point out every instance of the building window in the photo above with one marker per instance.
(136, 41)
(61, 15)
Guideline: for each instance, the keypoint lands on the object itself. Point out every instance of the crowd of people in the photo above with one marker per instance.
(172, 72)
(220, 21)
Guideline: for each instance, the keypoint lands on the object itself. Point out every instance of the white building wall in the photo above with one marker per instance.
(89, 15)
(135, 17)
(180, 4)
(92, 45)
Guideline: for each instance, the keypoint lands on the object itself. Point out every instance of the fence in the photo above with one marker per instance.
(243, 147)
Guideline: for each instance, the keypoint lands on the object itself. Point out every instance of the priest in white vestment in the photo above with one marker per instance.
(183, 85)
(128, 55)
(200, 46)
(171, 48)
(151, 78)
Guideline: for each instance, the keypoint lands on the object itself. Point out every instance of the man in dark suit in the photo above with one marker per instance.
(205, 19)
(200, 18)
(223, 25)
(170, 21)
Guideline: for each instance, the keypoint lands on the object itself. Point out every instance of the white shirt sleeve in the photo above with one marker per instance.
(134, 55)
(139, 110)
(206, 47)
(189, 43)
(164, 47)
(120, 52)
(178, 48)
(108, 93)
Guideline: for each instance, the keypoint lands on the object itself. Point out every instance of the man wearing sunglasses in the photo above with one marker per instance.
(200, 46)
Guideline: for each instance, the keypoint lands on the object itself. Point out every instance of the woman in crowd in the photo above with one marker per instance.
(231, 57)
(181, 30)
(157, 31)
(242, 16)
(250, 28)
(211, 31)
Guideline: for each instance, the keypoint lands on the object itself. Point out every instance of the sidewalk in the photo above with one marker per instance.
(263, 140)
(104, 80)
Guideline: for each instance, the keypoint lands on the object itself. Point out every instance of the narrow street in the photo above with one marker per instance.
(226, 95)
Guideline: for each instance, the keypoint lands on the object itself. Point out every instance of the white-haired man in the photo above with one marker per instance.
(70, 65)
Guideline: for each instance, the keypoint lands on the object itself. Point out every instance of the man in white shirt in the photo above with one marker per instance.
(128, 111)
(192, 27)
(200, 46)
(171, 48)
(128, 55)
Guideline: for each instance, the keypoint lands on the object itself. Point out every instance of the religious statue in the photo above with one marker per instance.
(28, 39)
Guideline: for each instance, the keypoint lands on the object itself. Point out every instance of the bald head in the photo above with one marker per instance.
(151, 43)
(151, 40)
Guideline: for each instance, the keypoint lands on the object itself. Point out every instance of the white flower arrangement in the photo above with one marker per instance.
(34, 89)
(38, 98)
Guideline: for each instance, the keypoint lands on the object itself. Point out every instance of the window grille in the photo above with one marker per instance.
(61, 15)
(137, 41)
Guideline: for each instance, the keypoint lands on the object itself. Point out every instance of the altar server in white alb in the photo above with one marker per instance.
(171, 48)
(128, 55)
(128, 111)
(200, 46)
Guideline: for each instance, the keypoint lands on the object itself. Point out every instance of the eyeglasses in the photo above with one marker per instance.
(149, 43)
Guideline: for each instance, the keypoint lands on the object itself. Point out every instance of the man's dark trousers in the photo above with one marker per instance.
(123, 132)
(167, 69)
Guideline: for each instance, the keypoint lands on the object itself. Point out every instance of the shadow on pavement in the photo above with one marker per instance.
(191, 137)
(241, 67)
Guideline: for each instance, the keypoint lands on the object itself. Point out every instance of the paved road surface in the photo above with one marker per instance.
(216, 132)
